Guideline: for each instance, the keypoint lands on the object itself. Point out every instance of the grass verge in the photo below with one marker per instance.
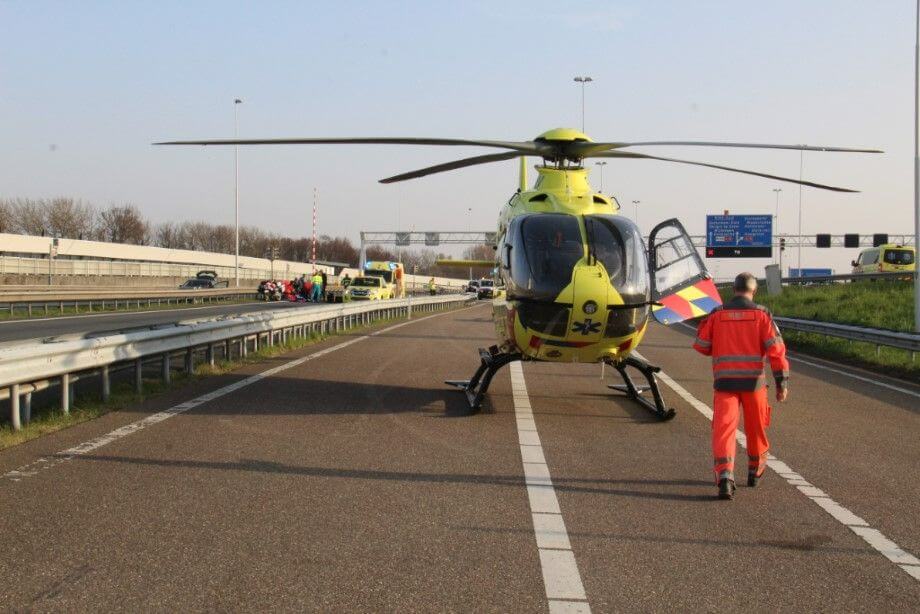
(90, 406)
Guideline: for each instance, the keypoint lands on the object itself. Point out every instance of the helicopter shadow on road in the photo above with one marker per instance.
(597, 486)
(278, 395)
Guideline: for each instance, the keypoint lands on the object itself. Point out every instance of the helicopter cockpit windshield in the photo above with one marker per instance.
(540, 252)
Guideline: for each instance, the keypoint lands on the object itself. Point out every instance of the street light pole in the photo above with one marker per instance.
(776, 215)
(601, 166)
(583, 80)
(917, 172)
(469, 222)
(236, 187)
(801, 167)
(636, 216)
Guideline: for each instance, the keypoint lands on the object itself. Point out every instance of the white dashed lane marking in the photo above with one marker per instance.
(565, 591)
(906, 561)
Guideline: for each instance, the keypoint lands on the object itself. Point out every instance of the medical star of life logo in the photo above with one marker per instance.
(587, 327)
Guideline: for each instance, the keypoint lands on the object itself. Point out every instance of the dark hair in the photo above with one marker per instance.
(745, 282)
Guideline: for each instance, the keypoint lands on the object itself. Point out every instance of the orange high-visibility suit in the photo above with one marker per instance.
(738, 335)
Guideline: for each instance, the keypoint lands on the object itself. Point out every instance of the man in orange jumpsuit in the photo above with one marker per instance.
(738, 335)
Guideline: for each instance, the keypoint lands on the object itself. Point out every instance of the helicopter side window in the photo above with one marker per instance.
(542, 249)
(674, 259)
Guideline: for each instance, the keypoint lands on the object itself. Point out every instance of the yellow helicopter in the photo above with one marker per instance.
(577, 282)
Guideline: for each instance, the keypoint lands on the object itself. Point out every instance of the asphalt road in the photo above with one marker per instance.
(93, 324)
(354, 481)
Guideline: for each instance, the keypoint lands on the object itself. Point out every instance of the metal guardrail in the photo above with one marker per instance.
(875, 336)
(26, 368)
(851, 277)
(57, 299)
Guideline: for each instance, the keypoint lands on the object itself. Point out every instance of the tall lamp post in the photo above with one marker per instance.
(600, 166)
(776, 215)
(236, 186)
(469, 222)
(917, 171)
(801, 167)
(636, 216)
(583, 80)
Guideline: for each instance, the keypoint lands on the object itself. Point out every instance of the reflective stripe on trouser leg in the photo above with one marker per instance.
(756, 417)
(724, 422)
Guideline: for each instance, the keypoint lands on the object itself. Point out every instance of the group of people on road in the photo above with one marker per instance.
(303, 289)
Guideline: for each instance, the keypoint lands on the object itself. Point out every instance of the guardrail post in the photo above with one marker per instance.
(164, 368)
(210, 354)
(227, 347)
(106, 384)
(243, 347)
(189, 361)
(27, 407)
(65, 393)
(138, 375)
(14, 407)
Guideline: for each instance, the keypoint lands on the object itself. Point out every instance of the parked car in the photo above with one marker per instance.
(486, 289)
(472, 286)
(204, 280)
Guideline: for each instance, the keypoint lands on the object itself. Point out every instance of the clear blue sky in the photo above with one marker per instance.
(86, 87)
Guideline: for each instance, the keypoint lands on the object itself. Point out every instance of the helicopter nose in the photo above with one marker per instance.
(589, 305)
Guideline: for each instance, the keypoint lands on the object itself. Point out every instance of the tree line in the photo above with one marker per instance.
(124, 223)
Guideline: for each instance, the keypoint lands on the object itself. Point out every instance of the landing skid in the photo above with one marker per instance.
(476, 388)
(635, 392)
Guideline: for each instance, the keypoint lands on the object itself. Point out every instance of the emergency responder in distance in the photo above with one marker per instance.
(738, 335)
(317, 292)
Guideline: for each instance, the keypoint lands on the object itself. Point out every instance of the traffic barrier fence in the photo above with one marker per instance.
(37, 365)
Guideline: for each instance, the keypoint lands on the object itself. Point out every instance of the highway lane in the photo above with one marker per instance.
(355, 482)
(33, 328)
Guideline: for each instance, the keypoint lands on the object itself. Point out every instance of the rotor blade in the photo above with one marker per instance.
(590, 148)
(522, 146)
(449, 166)
(626, 154)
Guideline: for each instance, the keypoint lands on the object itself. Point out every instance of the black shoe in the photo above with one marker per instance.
(726, 489)
(753, 479)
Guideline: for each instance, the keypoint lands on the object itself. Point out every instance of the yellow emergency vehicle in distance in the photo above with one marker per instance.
(887, 258)
(368, 288)
(392, 274)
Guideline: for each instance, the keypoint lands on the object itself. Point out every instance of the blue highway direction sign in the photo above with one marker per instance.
(739, 236)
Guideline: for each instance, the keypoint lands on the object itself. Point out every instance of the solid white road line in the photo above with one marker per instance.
(906, 561)
(86, 447)
(565, 592)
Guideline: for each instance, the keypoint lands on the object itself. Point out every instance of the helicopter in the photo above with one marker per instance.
(577, 282)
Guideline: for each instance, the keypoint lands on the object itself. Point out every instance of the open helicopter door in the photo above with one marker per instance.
(680, 282)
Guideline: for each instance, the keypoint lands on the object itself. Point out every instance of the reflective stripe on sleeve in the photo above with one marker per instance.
(772, 340)
(718, 359)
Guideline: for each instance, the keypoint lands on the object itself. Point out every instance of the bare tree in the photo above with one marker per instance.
(123, 224)
(28, 216)
(6, 216)
(66, 217)
(167, 235)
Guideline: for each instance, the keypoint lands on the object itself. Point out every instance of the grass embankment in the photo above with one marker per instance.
(54, 311)
(885, 304)
(88, 406)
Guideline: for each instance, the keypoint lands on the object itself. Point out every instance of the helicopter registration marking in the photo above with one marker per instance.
(565, 591)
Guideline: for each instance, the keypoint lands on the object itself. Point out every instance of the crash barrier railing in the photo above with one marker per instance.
(57, 299)
(875, 336)
(41, 364)
(814, 279)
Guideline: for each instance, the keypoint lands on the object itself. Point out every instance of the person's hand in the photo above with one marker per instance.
(782, 394)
